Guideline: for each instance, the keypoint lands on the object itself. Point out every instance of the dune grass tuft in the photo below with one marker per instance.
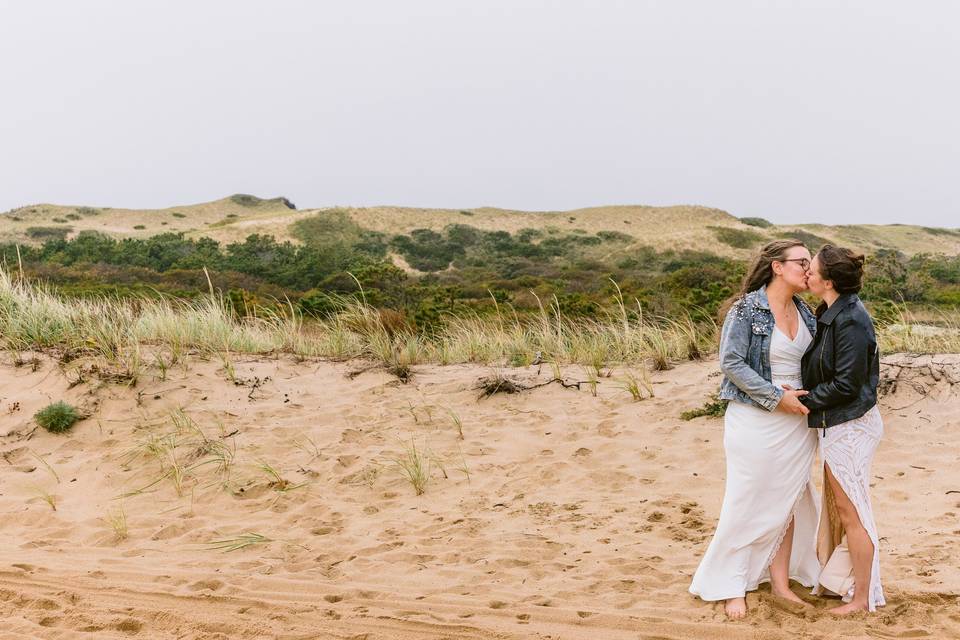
(415, 465)
(57, 417)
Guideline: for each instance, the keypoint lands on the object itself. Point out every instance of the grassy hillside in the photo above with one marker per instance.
(33, 224)
(427, 265)
(684, 227)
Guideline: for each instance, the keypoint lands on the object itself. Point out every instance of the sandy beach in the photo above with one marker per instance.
(558, 514)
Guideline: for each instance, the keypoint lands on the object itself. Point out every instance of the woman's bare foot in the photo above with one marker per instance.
(736, 608)
(787, 594)
(847, 609)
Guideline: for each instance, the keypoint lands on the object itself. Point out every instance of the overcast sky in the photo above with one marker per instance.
(839, 111)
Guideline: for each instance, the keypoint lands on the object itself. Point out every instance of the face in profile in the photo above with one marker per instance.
(793, 268)
(815, 282)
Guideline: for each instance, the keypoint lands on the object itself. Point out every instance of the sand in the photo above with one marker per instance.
(558, 515)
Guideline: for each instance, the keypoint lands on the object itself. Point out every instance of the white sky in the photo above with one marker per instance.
(803, 111)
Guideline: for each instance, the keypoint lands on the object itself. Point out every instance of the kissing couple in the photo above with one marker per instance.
(796, 378)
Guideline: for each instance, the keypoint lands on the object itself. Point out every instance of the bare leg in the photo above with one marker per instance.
(736, 608)
(780, 568)
(859, 543)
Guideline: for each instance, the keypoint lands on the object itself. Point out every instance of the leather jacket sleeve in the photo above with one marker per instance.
(734, 343)
(851, 367)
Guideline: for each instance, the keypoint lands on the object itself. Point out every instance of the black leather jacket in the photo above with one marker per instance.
(841, 367)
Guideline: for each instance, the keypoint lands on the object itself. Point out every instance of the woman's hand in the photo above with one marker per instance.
(790, 402)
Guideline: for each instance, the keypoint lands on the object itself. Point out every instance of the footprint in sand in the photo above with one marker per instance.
(200, 585)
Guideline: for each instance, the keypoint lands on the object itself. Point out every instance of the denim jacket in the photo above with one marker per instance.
(745, 350)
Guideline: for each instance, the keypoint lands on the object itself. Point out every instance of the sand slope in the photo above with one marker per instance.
(581, 516)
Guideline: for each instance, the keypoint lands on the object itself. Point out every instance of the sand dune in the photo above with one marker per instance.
(557, 515)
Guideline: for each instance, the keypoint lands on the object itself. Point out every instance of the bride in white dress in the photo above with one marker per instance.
(768, 521)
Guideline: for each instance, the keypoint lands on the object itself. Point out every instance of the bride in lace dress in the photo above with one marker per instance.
(768, 519)
(841, 372)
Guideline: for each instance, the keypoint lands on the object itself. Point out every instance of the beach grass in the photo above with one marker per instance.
(117, 333)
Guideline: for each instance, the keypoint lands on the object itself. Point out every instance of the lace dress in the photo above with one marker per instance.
(769, 458)
(848, 449)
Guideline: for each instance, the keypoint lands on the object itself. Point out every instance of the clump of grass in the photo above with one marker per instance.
(88, 211)
(309, 447)
(638, 386)
(57, 417)
(714, 407)
(117, 519)
(415, 466)
(47, 497)
(592, 374)
(139, 227)
(457, 422)
(277, 481)
(177, 214)
(238, 542)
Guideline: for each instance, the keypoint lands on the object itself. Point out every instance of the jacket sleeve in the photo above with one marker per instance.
(851, 367)
(734, 342)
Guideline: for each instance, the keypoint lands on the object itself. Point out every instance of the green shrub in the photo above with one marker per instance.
(72, 216)
(177, 214)
(737, 238)
(48, 233)
(61, 220)
(57, 417)
(614, 236)
(763, 223)
(813, 241)
(245, 199)
(714, 407)
(88, 211)
(139, 226)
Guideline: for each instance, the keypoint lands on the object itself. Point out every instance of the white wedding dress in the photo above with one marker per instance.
(848, 449)
(769, 461)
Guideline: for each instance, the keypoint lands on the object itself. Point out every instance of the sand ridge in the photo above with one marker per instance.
(557, 515)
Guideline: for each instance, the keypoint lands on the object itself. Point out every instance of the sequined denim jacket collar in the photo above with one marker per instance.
(762, 323)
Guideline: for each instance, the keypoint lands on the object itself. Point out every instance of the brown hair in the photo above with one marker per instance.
(841, 266)
(760, 271)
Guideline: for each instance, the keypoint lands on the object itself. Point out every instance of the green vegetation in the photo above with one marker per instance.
(57, 417)
(47, 233)
(813, 242)
(714, 407)
(247, 200)
(738, 238)
(763, 223)
(459, 273)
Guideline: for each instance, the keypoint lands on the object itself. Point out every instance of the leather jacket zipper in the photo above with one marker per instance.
(823, 412)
